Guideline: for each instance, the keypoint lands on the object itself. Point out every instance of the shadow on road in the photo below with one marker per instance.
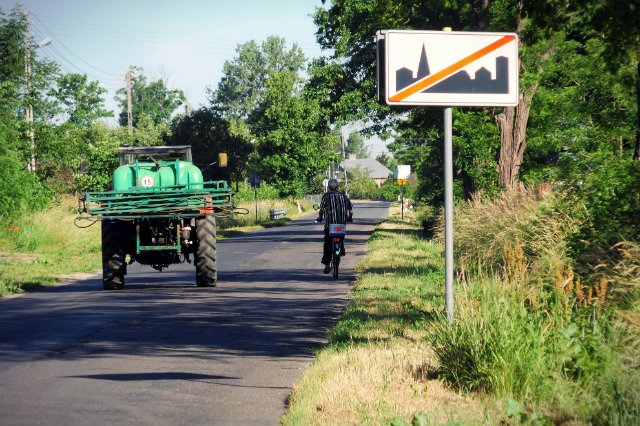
(270, 311)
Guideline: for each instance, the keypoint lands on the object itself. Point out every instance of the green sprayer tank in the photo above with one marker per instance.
(153, 176)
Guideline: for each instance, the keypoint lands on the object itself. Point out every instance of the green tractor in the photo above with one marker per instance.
(160, 212)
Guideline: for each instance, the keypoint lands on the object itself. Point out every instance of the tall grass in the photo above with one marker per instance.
(559, 359)
(530, 331)
(537, 220)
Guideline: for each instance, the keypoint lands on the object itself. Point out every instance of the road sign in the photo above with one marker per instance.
(402, 171)
(255, 179)
(401, 182)
(447, 68)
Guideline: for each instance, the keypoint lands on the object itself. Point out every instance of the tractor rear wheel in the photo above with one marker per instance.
(113, 265)
(206, 268)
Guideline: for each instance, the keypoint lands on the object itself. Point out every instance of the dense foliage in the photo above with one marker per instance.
(271, 115)
(262, 96)
(579, 101)
(260, 115)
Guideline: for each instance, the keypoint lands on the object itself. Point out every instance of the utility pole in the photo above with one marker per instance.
(27, 71)
(344, 165)
(129, 113)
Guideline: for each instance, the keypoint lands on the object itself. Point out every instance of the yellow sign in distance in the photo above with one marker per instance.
(402, 182)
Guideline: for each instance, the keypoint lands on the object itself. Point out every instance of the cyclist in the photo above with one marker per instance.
(335, 207)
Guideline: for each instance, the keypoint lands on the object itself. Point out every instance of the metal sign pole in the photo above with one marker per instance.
(255, 193)
(443, 77)
(402, 201)
(448, 210)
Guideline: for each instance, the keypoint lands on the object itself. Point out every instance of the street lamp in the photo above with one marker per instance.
(45, 42)
(27, 67)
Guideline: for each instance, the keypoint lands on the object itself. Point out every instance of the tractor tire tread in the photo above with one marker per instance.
(206, 263)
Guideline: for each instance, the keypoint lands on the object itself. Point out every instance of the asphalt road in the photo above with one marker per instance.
(164, 352)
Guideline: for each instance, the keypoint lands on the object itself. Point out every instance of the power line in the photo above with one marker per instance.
(144, 34)
(70, 51)
(160, 40)
(70, 66)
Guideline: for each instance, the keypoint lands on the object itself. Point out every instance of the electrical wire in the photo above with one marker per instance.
(69, 66)
(139, 34)
(59, 41)
(195, 44)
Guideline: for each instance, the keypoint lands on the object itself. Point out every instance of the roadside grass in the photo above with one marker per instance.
(377, 367)
(525, 348)
(247, 222)
(45, 248)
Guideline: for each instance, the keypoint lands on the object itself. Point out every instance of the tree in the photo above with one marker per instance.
(385, 159)
(208, 133)
(617, 26)
(82, 100)
(151, 98)
(24, 85)
(12, 61)
(291, 146)
(348, 27)
(356, 146)
(242, 87)
(12, 76)
(261, 97)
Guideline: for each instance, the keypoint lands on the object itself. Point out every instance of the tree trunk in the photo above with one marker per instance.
(513, 127)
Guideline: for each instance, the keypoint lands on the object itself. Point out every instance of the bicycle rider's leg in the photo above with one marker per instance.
(328, 246)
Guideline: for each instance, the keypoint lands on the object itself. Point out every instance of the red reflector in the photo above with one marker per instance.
(208, 206)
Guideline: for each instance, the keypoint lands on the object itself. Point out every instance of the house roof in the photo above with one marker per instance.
(374, 168)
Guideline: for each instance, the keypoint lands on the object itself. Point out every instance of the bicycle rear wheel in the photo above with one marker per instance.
(336, 259)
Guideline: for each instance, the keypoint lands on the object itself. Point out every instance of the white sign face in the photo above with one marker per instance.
(146, 182)
(402, 172)
(449, 68)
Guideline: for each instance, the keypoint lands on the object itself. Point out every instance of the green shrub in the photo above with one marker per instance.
(20, 190)
(264, 192)
(609, 191)
(361, 186)
(101, 150)
(428, 217)
(547, 351)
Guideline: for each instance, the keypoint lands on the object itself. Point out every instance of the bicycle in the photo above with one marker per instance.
(337, 232)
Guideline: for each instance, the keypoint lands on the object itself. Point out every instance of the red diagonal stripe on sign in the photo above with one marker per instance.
(446, 72)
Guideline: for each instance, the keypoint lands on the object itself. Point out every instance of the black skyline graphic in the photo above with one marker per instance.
(460, 82)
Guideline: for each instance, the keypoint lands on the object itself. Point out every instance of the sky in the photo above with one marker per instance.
(184, 42)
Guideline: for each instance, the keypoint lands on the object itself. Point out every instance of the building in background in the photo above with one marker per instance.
(373, 168)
